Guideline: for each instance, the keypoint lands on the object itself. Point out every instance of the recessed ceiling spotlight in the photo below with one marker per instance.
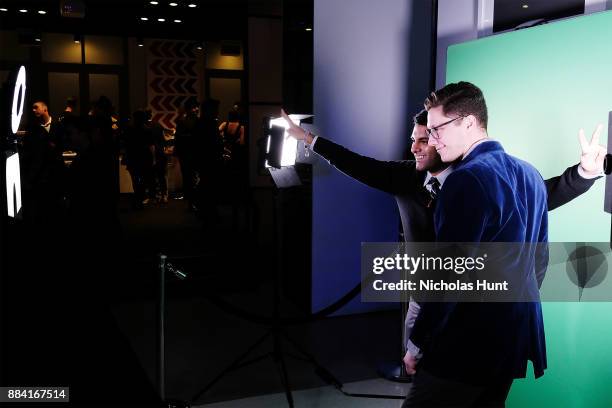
(37, 39)
(155, 3)
(192, 5)
(23, 11)
(173, 4)
(42, 12)
(3, 9)
(144, 18)
(308, 29)
(525, 5)
(161, 20)
(178, 21)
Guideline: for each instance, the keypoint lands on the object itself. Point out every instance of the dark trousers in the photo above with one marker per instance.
(142, 182)
(428, 390)
(189, 175)
(160, 172)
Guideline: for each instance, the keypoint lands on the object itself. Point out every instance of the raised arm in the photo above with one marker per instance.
(578, 179)
(394, 177)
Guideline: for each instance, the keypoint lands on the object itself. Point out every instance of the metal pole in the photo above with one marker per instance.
(161, 309)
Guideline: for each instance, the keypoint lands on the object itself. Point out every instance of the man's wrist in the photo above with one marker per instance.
(413, 349)
(588, 175)
(309, 138)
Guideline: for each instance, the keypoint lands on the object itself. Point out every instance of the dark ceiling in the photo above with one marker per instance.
(211, 19)
(220, 19)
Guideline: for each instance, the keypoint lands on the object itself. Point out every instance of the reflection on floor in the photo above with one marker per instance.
(327, 397)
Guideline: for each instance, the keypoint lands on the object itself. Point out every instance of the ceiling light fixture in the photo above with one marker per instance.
(42, 12)
(192, 5)
(3, 9)
(178, 21)
(525, 6)
(155, 3)
(173, 4)
(23, 11)
(161, 20)
(144, 18)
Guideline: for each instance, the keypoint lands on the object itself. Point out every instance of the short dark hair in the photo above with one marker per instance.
(191, 103)
(71, 101)
(233, 116)
(210, 108)
(462, 99)
(104, 105)
(140, 117)
(420, 118)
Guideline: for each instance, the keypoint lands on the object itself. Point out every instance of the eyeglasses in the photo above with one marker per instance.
(433, 132)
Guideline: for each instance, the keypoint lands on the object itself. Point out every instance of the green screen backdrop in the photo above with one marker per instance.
(542, 85)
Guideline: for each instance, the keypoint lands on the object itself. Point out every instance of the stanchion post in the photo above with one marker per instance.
(161, 322)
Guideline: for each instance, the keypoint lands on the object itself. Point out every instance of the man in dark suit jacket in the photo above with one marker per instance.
(472, 352)
(42, 167)
(407, 180)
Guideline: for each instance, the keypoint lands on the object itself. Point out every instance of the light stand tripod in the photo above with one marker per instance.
(284, 175)
(277, 331)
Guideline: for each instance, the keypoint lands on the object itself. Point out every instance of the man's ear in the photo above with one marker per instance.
(470, 121)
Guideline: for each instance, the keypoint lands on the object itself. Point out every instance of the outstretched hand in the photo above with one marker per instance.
(293, 130)
(593, 154)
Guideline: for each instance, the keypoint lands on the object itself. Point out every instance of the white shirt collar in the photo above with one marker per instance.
(47, 125)
(441, 176)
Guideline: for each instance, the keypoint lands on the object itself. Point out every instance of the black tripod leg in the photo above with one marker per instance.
(279, 359)
(236, 363)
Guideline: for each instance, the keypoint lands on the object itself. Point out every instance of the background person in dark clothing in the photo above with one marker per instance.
(42, 167)
(186, 149)
(232, 133)
(140, 157)
(95, 189)
(70, 121)
(69, 110)
(209, 148)
(235, 169)
(160, 162)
